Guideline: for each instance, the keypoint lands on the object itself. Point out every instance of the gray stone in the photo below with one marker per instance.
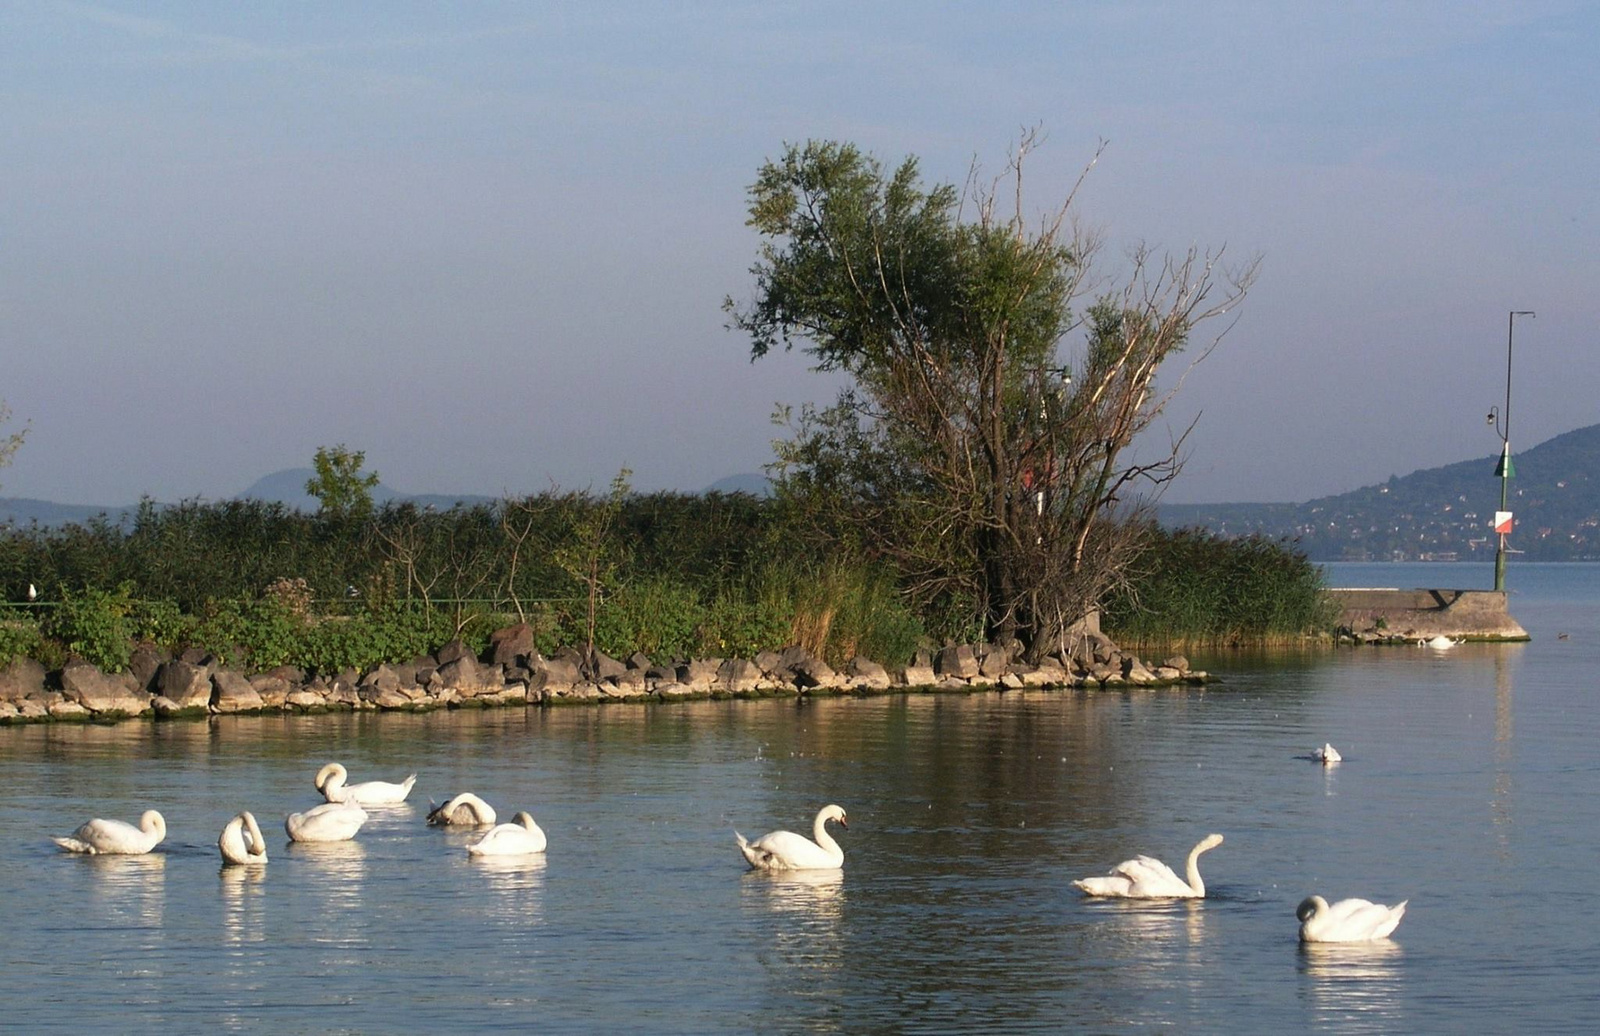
(814, 672)
(699, 674)
(992, 662)
(1177, 662)
(639, 660)
(864, 672)
(382, 679)
(272, 690)
(559, 675)
(767, 661)
(21, 678)
(958, 660)
(919, 676)
(234, 693)
(629, 683)
(605, 667)
(99, 693)
(512, 645)
(65, 709)
(145, 664)
(452, 651)
(1043, 676)
(739, 675)
(460, 674)
(185, 684)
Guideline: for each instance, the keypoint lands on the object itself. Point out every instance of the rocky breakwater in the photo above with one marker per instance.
(511, 671)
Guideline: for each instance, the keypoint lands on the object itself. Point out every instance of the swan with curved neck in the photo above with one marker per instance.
(241, 841)
(787, 851)
(329, 822)
(465, 810)
(331, 782)
(1145, 877)
(519, 838)
(1349, 920)
(116, 837)
(1327, 755)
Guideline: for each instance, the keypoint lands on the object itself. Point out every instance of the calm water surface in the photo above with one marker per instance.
(1469, 788)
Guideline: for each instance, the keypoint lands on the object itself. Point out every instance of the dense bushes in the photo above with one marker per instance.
(682, 576)
(1189, 585)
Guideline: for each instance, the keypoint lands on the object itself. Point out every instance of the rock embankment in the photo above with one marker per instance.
(512, 672)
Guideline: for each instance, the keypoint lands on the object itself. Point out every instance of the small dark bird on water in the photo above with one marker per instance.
(1561, 636)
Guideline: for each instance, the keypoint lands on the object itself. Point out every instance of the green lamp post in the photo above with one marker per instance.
(1504, 470)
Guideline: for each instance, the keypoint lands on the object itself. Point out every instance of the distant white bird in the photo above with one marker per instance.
(33, 592)
(1145, 877)
(465, 809)
(787, 851)
(331, 782)
(241, 841)
(521, 837)
(1441, 642)
(329, 822)
(1326, 755)
(1349, 920)
(116, 837)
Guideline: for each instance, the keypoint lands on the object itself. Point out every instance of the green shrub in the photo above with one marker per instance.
(19, 638)
(657, 616)
(94, 625)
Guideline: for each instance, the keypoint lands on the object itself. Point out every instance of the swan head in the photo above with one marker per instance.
(832, 812)
(330, 772)
(1310, 907)
(1210, 841)
(152, 820)
(524, 818)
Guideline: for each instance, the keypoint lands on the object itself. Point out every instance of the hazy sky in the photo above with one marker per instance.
(487, 243)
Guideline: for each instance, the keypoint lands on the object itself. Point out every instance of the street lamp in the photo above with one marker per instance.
(1503, 470)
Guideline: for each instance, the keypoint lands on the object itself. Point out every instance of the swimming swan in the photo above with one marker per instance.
(465, 810)
(518, 838)
(1441, 642)
(1349, 920)
(1327, 755)
(331, 778)
(115, 837)
(1145, 877)
(329, 822)
(241, 840)
(787, 851)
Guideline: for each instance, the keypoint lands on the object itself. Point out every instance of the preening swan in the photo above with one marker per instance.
(331, 782)
(1145, 877)
(1349, 920)
(465, 809)
(787, 851)
(116, 837)
(1440, 642)
(241, 840)
(329, 822)
(1326, 755)
(518, 838)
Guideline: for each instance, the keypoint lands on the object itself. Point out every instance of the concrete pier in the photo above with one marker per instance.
(1388, 613)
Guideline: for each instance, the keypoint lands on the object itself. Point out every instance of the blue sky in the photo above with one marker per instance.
(488, 243)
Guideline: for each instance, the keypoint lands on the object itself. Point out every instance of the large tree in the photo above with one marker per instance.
(983, 439)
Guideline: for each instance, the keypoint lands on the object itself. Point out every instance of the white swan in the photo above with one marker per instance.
(1327, 755)
(465, 810)
(518, 838)
(331, 782)
(1349, 920)
(1440, 642)
(241, 840)
(1145, 877)
(787, 851)
(116, 837)
(329, 822)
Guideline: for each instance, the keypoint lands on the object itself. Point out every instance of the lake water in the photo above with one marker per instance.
(1469, 787)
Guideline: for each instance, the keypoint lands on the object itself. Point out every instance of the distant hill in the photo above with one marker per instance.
(1438, 514)
(17, 510)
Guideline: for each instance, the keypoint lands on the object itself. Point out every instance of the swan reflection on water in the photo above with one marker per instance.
(818, 893)
(1354, 982)
(134, 887)
(1142, 925)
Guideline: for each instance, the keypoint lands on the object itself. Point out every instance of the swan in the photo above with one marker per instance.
(1145, 877)
(1440, 642)
(465, 809)
(787, 851)
(1349, 920)
(116, 837)
(1327, 755)
(241, 840)
(331, 782)
(518, 838)
(329, 822)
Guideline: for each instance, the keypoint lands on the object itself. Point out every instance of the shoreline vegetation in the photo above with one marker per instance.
(215, 605)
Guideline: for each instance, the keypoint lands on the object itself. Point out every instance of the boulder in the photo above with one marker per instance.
(992, 662)
(145, 664)
(739, 675)
(234, 693)
(460, 674)
(958, 660)
(381, 679)
(768, 661)
(1177, 662)
(512, 645)
(272, 690)
(605, 667)
(102, 694)
(813, 672)
(185, 684)
(61, 708)
(639, 660)
(1043, 676)
(305, 699)
(919, 676)
(559, 675)
(451, 652)
(864, 672)
(627, 684)
(23, 677)
(699, 674)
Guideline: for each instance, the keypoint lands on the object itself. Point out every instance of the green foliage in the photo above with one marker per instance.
(19, 638)
(161, 623)
(94, 624)
(661, 617)
(344, 491)
(1192, 585)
